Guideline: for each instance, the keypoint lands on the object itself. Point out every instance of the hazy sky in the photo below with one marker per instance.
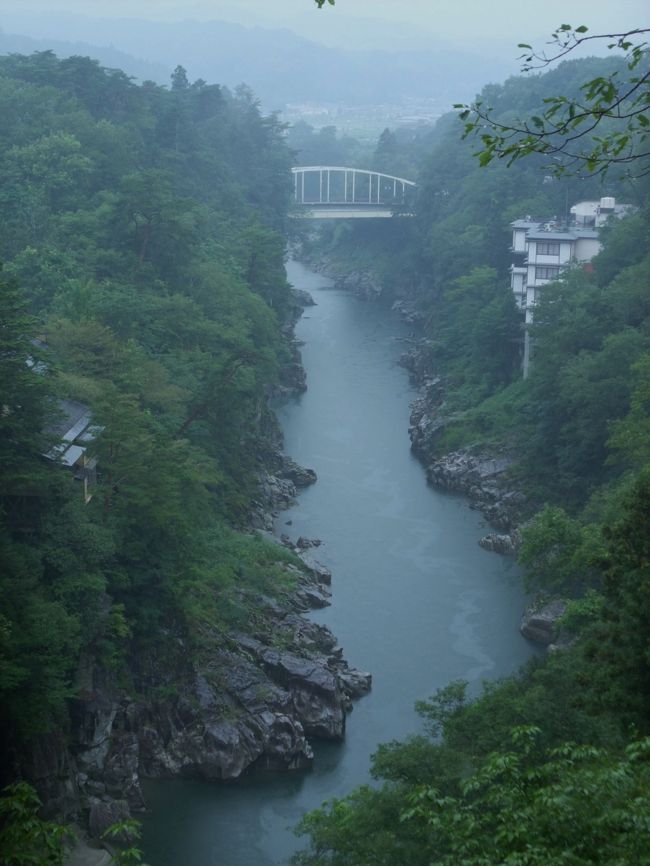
(509, 21)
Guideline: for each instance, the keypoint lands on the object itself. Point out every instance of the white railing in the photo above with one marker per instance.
(340, 185)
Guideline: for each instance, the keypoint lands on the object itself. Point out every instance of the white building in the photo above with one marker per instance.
(542, 250)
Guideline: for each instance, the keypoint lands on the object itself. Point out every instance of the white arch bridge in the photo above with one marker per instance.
(339, 192)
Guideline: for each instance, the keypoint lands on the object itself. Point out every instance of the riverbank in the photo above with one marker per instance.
(412, 600)
(253, 698)
(480, 472)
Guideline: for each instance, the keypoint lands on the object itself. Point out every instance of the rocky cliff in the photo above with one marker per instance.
(478, 472)
(248, 699)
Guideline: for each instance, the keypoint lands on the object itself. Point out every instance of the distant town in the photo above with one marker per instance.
(365, 122)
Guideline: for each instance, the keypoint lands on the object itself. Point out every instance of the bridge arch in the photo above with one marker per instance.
(323, 187)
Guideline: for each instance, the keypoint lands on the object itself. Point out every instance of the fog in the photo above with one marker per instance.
(361, 65)
(470, 22)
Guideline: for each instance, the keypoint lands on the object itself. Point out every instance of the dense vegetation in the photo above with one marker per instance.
(143, 249)
(549, 766)
(142, 239)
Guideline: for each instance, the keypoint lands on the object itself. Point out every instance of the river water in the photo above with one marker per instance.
(416, 601)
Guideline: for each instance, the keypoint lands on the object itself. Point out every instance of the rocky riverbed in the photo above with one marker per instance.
(251, 701)
(482, 475)
(478, 472)
(358, 281)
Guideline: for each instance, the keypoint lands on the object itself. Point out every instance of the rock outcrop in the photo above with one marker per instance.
(280, 479)
(409, 311)
(247, 699)
(540, 622)
(251, 701)
(504, 543)
(292, 379)
(301, 299)
(478, 472)
(361, 282)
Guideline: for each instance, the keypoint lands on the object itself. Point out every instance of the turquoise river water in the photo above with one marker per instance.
(416, 601)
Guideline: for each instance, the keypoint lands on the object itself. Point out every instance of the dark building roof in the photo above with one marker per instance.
(72, 421)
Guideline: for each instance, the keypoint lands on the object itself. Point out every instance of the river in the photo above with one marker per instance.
(416, 601)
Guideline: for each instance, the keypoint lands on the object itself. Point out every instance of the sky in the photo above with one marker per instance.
(466, 22)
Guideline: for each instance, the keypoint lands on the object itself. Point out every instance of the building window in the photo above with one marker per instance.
(548, 248)
(546, 272)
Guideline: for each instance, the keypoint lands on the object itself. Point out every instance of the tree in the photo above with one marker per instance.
(623, 653)
(553, 551)
(179, 79)
(25, 838)
(524, 805)
(605, 125)
(578, 805)
(24, 389)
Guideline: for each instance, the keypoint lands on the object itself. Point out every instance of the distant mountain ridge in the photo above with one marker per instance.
(11, 43)
(280, 66)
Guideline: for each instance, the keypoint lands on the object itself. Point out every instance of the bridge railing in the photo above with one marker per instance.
(340, 185)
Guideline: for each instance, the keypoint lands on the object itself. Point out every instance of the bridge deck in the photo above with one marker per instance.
(345, 211)
(340, 192)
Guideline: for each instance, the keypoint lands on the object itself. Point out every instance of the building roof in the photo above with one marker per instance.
(70, 456)
(72, 421)
(562, 234)
(526, 224)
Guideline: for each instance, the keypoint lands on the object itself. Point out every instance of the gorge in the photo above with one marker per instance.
(415, 600)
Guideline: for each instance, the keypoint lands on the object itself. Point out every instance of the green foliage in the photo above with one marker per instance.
(25, 838)
(145, 228)
(556, 552)
(473, 790)
(621, 649)
(130, 854)
(587, 342)
(325, 146)
(489, 421)
(603, 124)
(631, 434)
(23, 409)
(486, 793)
(568, 784)
(577, 804)
(476, 334)
(583, 612)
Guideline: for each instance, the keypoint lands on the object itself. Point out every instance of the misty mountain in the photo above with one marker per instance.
(280, 66)
(107, 55)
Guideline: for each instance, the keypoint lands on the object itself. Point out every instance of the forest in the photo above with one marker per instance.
(143, 240)
(551, 765)
(143, 278)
